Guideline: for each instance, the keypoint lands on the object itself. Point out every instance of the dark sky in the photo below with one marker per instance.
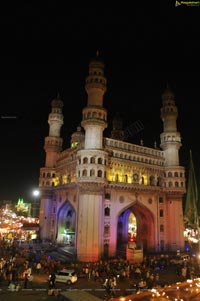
(46, 50)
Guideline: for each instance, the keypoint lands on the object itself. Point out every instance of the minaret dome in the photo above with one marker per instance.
(57, 102)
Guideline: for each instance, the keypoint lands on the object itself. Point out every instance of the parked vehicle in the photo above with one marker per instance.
(66, 276)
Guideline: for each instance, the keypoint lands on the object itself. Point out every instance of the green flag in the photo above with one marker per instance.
(190, 213)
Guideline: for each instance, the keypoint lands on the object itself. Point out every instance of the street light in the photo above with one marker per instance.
(36, 193)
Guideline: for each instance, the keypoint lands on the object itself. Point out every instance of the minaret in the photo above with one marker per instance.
(91, 168)
(53, 143)
(94, 121)
(174, 174)
(94, 115)
(52, 146)
(170, 138)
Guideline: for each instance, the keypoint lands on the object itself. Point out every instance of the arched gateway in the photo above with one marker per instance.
(144, 228)
(99, 174)
(66, 224)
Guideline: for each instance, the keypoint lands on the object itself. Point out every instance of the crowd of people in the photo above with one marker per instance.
(18, 266)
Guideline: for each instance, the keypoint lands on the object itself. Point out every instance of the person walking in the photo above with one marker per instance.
(38, 267)
(26, 281)
(52, 278)
(30, 280)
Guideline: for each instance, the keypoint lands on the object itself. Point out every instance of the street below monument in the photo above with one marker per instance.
(155, 272)
(125, 288)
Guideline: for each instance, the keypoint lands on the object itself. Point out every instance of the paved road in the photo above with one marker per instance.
(178, 292)
(39, 289)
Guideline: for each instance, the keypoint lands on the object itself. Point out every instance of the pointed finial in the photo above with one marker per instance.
(190, 154)
(155, 144)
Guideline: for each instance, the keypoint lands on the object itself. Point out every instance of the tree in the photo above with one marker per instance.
(191, 212)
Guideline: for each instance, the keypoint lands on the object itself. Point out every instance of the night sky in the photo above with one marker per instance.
(46, 50)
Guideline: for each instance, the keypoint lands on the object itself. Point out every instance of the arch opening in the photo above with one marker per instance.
(135, 229)
(66, 228)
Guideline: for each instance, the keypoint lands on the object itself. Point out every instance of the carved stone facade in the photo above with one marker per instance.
(89, 190)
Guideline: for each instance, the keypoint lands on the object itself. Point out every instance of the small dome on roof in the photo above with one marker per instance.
(97, 59)
(57, 102)
(168, 92)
